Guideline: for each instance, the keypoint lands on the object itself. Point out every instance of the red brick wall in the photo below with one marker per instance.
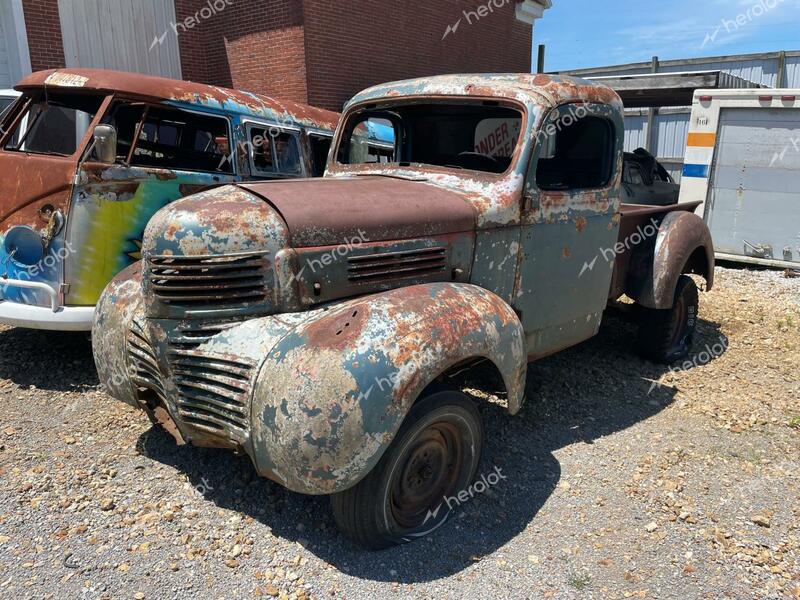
(352, 45)
(44, 34)
(324, 51)
(256, 45)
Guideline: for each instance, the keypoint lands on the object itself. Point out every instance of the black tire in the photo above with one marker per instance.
(666, 336)
(434, 456)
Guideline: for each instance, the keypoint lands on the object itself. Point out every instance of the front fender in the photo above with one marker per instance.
(683, 245)
(332, 394)
(113, 319)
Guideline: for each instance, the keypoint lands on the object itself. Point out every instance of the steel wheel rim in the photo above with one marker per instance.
(430, 472)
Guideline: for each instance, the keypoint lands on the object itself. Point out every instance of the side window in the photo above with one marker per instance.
(576, 156)
(274, 152)
(125, 119)
(372, 142)
(320, 147)
(171, 139)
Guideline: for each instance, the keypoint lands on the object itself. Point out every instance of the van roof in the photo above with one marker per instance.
(162, 89)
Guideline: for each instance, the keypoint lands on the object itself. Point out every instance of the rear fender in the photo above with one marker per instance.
(332, 394)
(683, 245)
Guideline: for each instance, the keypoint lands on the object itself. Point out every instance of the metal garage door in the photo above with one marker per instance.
(755, 197)
(5, 64)
(125, 35)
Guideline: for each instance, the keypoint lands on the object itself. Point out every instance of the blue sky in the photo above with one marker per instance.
(589, 33)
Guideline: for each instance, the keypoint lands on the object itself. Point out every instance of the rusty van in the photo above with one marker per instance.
(314, 325)
(88, 156)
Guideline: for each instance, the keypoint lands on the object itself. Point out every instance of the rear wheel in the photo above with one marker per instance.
(667, 335)
(434, 456)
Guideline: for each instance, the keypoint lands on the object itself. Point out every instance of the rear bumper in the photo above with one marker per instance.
(36, 317)
(54, 318)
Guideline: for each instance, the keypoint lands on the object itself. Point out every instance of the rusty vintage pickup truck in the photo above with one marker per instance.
(314, 324)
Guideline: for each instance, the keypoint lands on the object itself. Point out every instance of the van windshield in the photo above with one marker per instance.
(54, 123)
(475, 136)
(5, 103)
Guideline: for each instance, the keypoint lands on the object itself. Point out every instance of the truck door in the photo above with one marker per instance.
(163, 153)
(570, 227)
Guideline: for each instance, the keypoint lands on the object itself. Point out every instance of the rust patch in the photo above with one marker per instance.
(339, 331)
(164, 419)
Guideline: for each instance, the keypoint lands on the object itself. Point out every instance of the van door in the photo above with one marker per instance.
(163, 154)
(570, 227)
(41, 147)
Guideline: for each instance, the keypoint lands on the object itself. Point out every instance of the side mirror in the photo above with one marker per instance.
(105, 143)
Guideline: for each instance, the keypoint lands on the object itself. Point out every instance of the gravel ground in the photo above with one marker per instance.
(621, 480)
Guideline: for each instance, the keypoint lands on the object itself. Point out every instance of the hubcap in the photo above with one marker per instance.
(430, 472)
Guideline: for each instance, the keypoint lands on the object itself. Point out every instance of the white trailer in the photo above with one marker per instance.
(743, 163)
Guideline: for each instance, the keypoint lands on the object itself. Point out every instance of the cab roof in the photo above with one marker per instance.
(161, 89)
(531, 89)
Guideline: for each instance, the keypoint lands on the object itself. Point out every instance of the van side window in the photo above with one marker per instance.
(274, 152)
(578, 155)
(320, 147)
(172, 139)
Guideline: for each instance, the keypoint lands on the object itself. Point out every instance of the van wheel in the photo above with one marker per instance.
(667, 335)
(434, 456)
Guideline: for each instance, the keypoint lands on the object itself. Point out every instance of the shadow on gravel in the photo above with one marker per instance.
(574, 397)
(49, 360)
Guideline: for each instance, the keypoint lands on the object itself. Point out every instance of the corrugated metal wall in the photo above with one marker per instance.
(126, 35)
(793, 72)
(635, 130)
(672, 126)
(671, 129)
(5, 67)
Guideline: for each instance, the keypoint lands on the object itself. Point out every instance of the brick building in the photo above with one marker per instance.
(315, 51)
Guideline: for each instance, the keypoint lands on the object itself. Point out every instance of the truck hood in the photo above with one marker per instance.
(328, 212)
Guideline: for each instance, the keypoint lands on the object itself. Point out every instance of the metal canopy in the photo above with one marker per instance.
(670, 89)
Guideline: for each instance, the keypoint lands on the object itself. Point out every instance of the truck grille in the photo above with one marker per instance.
(209, 281)
(391, 265)
(193, 335)
(213, 392)
(143, 365)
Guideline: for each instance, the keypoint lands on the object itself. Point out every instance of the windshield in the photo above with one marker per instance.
(5, 103)
(476, 136)
(54, 124)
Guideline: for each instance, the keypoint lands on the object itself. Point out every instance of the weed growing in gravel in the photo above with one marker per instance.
(794, 422)
(580, 581)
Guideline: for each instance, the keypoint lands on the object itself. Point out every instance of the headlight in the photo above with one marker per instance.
(24, 245)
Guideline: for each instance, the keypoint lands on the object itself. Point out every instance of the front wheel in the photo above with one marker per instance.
(667, 335)
(414, 487)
